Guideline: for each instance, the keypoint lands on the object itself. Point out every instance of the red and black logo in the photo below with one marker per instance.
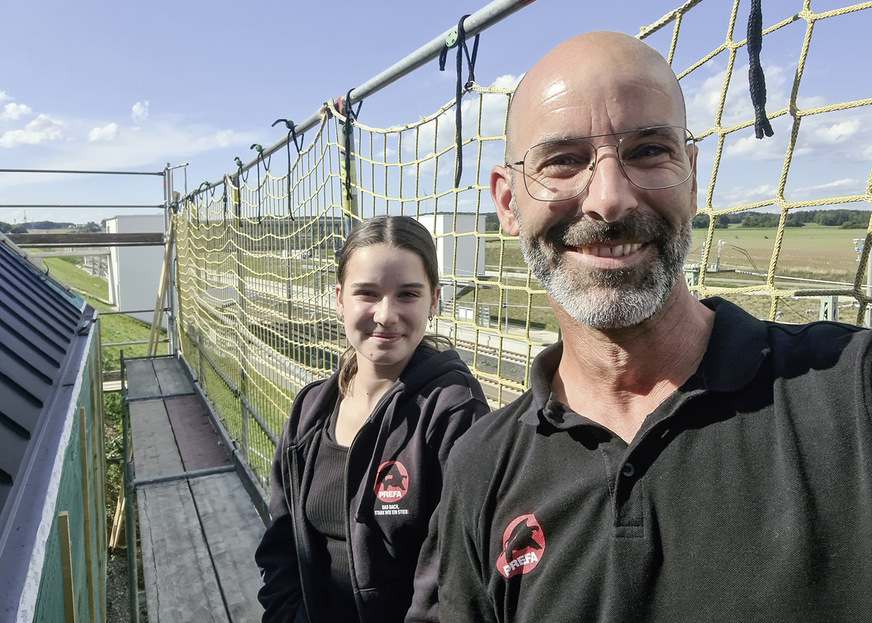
(391, 481)
(523, 546)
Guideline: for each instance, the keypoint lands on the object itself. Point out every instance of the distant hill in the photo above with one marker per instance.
(23, 228)
(49, 225)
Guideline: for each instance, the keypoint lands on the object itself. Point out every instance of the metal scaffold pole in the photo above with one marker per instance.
(477, 22)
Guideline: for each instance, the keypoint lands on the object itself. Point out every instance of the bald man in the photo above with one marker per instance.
(673, 460)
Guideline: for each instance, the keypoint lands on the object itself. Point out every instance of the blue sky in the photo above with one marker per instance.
(134, 86)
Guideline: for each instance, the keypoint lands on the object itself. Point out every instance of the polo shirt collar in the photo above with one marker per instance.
(729, 363)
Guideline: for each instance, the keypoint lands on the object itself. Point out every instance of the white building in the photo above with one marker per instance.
(134, 271)
(461, 234)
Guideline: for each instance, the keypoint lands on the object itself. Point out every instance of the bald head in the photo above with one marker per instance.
(604, 81)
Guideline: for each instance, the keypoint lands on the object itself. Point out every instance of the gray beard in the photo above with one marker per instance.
(610, 298)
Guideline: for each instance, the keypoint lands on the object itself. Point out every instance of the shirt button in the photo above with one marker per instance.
(628, 470)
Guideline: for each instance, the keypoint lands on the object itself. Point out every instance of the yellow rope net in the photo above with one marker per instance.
(256, 252)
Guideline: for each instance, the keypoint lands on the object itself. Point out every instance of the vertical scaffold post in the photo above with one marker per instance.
(129, 495)
(242, 327)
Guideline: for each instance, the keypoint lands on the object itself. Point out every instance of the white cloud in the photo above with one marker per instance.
(106, 133)
(4, 96)
(703, 98)
(814, 101)
(507, 81)
(139, 113)
(13, 112)
(115, 146)
(43, 128)
(739, 195)
(838, 132)
(222, 138)
(753, 148)
(839, 185)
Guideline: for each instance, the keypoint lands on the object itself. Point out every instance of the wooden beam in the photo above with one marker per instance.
(87, 500)
(161, 295)
(67, 567)
(88, 239)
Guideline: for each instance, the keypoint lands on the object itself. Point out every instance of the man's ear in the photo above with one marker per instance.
(693, 154)
(501, 194)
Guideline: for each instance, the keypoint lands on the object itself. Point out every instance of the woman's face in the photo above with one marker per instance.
(385, 302)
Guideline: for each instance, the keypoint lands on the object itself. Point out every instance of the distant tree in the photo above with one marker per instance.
(50, 225)
(759, 219)
(700, 221)
(92, 227)
(793, 220)
(854, 224)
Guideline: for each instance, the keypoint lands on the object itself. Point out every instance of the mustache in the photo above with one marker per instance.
(584, 232)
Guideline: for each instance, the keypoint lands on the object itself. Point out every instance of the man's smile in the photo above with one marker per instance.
(619, 250)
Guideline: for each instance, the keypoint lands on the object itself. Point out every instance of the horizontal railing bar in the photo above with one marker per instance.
(89, 239)
(79, 172)
(113, 206)
(131, 311)
(197, 473)
(107, 344)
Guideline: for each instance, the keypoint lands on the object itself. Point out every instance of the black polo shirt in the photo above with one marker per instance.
(746, 495)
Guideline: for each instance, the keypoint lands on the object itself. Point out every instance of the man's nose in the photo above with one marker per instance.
(610, 193)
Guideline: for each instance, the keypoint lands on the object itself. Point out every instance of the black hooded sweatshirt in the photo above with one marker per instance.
(412, 428)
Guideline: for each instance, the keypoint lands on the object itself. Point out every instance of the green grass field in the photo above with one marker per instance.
(812, 251)
(114, 328)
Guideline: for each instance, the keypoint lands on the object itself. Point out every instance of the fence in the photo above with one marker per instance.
(256, 250)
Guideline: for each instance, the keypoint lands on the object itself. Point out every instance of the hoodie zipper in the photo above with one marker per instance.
(295, 475)
(374, 460)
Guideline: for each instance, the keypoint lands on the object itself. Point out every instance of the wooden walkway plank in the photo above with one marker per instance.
(233, 530)
(198, 525)
(199, 445)
(155, 454)
(180, 581)
(171, 377)
(145, 384)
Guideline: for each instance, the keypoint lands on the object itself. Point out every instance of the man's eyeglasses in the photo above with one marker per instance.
(651, 158)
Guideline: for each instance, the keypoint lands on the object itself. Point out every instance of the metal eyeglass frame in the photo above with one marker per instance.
(689, 138)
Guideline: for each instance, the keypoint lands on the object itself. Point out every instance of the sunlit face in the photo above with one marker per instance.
(611, 256)
(385, 302)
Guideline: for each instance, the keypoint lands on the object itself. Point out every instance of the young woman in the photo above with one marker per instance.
(358, 467)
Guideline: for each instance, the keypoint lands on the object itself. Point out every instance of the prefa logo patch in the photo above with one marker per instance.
(391, 482)
(523, 545)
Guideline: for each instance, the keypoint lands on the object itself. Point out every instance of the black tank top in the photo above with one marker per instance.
(327, 513)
